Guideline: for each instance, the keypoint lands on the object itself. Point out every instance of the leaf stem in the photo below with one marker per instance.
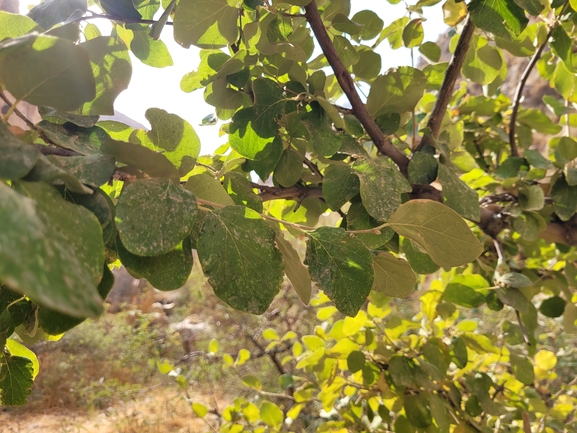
(348, 85)
(268, 217)
(446, 90)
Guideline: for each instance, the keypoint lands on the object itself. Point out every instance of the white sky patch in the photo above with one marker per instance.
(155, 87)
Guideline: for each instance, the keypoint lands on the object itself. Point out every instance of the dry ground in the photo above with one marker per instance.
(164, 411)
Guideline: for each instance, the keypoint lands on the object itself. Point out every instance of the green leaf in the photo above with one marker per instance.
(393, 277)
(245, 139)
(100, 205)
(372, 24)
(112, 69)
(381, 186)
(242, 193)
(397, 91)
(17, 349)
(55, 116)
(515, 279)
(86, 141)
(402, 370)
(440, 413)
(341, 266)
(271, 414)
(419, 261)
(339, 185)
(153, 216)
(356, 361)
(158, 26)
(164, 272)
(174, 137)
(295, 271)
(45, 171)
(522, 369)
(141, 158)
(18, 157)
(14, 25)
(41, 224)
(531, 198)
(16, 375)
(457, 195)
(150, 52)
(206, 187)
(44, 70)
(237, 252)
(368, 66)
(482, 62)
(422, 168)
(93, 170)
(121, 9)
(500, 17)
(51, 12)
(418, 410)
(454, 12)
(206, 24)
(462, 294)
(564, 199)
(459, 353)
(252, 382)
(562, 46)
(529, 225)
(413, 33)
(439, 230)
(431, 51)
(359, 219)
(147, 8)
(289, 168)
(534, 7)
(553, 307)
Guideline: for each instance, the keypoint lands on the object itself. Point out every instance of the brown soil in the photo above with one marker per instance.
(165, 412)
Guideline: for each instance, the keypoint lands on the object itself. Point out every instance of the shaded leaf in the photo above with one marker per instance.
(381, 187)
(51, 12)
(153, 216)
(237, 252)
(393, 276)
(16, 374)
(45, 70)
(165, 272)
(40, 225)
(296, 272)
(341, 266)
(339, 185)
(18, 157)
(397, 91)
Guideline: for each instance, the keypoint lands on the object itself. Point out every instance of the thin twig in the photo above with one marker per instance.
(519, 93)
(94, 16)
(16, 111)
(446, 90)
(522, 327)
(348, 85)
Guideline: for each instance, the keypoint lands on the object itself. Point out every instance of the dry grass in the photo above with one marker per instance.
(161, 411)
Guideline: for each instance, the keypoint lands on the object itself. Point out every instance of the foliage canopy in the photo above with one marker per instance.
(425, 172)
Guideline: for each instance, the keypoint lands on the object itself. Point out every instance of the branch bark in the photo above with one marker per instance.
(519, 93)
(446, 90)
(348, 85)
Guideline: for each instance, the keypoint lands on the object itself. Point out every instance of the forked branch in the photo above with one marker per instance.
(348, 85)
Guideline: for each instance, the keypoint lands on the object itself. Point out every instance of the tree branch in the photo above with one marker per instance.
(347, 84)
(94, 16)
(446, 90)
(295, 192)
(519, 93)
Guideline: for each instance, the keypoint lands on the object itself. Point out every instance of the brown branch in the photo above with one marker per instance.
(519, 93)
(446, 90)
(348, 85)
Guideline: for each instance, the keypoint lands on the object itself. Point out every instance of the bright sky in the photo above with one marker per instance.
(153, 87)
